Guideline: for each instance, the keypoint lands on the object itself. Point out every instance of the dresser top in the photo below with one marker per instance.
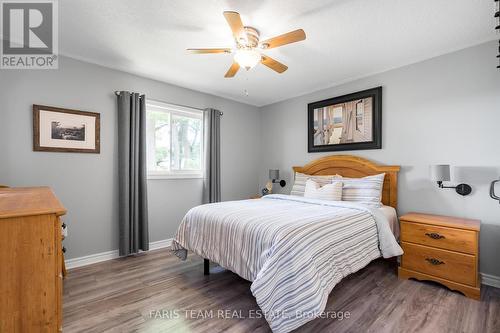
(441, 220)
(25, 201)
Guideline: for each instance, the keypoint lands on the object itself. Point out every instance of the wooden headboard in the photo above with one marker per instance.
(356, 167)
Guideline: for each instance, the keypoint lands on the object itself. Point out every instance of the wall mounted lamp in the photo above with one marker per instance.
(492, 190)
(441, 173)
(274, 176)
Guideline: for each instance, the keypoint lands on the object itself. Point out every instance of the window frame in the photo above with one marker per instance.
(361, 116)
(178, 110)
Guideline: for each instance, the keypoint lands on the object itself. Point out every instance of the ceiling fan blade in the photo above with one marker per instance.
(288, 38)
(273, 64)
(232, 70)
(204, 51)
(235, 23)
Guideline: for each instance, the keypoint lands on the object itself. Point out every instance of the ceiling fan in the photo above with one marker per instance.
(247, 53)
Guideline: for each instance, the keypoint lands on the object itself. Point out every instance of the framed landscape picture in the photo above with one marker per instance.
(348, 122)
(63, 130)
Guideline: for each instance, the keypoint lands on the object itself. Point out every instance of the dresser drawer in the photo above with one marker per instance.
(441, 237)
(445, 264)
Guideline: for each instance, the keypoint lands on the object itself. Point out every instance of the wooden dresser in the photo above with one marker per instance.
(442, 249)
(30, 260)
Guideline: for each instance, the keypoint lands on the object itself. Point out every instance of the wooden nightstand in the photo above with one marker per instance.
(442, 249)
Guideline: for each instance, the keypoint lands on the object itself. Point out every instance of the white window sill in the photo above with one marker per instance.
(175, 176)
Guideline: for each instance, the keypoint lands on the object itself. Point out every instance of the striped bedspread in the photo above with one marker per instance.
(293, 249)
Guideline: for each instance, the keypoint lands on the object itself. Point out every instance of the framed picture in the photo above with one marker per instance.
(348, 122)
(63, 130)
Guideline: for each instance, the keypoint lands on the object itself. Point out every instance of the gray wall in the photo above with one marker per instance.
(87, 183)
(444, 110)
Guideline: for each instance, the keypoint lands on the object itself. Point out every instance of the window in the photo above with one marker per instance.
(174, 141)
(337, 114)
(360, 114)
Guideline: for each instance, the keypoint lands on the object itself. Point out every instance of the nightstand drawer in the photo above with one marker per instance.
(445, 264)
(441, 237)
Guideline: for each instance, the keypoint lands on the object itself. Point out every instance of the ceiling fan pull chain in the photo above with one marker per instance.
(497, 28)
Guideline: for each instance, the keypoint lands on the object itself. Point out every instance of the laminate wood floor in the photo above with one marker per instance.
(156, 292)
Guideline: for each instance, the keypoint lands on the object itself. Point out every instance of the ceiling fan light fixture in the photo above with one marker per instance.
(248, 47)
(247, 58)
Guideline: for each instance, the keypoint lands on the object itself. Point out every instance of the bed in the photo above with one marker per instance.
(295, 249)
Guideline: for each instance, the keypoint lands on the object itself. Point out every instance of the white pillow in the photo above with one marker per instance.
(299, 184)
(366, 190)
(332, 191)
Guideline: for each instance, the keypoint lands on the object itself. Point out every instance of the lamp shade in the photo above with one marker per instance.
(440, 172)
(274, 174)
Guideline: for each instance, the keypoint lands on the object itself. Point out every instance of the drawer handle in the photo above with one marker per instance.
(434, 261)
(434, 235)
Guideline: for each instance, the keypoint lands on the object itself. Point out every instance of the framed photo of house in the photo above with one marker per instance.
(349, 122)
(64, 130)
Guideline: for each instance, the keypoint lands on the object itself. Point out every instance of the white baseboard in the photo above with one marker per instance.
(160, 244)
(104, 256)
(91, 259)
(490, 280)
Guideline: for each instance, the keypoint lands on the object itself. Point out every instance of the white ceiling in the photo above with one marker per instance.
(346, 39)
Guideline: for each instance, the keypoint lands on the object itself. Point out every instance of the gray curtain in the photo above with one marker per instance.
(133, 203)
(211, 183)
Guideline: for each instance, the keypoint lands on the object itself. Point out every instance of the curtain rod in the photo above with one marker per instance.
(117, 93)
